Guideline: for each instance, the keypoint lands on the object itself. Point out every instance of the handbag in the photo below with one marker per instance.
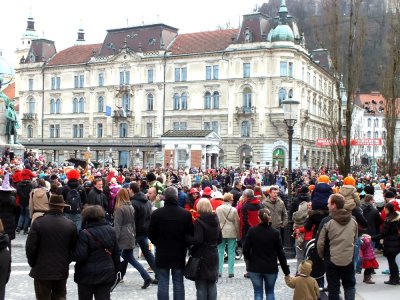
(192, 268)
(226, 219)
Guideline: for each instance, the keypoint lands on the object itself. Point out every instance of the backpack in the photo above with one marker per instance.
(73, 199)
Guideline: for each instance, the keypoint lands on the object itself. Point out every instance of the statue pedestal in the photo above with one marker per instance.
(16, 148)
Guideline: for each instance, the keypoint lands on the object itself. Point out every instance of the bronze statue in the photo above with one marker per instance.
(12, 120)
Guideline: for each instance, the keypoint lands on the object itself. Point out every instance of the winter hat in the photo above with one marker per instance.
(207, 191)
(27, 174)
(311, 187)
(6, 184)
(73, 174)
(304, 189)
(305, 268)
(151, 177)
(389, 195)
(349, 180)
(217, 195)
(323, 178)
(193, 191)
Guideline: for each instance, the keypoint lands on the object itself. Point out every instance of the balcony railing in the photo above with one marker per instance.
(29, 116)
(121, 113)
(242, 110)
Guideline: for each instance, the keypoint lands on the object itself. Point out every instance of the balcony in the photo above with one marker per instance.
(29, 116)
(121, 113)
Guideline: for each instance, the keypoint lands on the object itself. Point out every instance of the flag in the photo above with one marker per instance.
(108, 111)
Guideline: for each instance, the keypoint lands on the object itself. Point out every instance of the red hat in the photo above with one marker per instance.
(193, 191)
(73, 174)
(207, 191)
(17, 176)
(27, 174)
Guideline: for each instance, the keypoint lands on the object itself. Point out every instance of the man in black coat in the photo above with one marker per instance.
(169, 227)
(236, 192)
(49, 247)
(8, 208)
(371, 214)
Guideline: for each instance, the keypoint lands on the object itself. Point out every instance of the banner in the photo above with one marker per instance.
(353, 142)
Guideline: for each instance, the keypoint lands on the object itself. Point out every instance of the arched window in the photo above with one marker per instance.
(184, 101)
(247, 99)
(100, 104)
(177, 99)
(376, 135)
(245, 129)
(29, 131)
(216, 100)
(52, 106)
(369, 122)
(369, 134)
(81, 105)
(282, 95)
(31, 105)
(58, 106)
(207, 100)
(384, 135)
(123, 130)
(290, 94)
(150, 102)
(126, 103)
(75, 105)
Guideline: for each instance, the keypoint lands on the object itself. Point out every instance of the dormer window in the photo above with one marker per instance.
(248, 35)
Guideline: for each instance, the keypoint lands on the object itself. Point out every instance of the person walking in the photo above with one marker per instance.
(263, 248)
(335, 245)
(169, 227)
(207, 235)
(229, 222)
(124, 226)
(96, 255)
(96, 195)
(278, 210)
(48, 247)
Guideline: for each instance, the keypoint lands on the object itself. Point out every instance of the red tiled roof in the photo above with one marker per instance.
(75, 55)
(200, 42)
(9, 91)
(376, 97)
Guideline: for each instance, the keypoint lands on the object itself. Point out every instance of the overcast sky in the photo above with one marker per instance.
(60, 20)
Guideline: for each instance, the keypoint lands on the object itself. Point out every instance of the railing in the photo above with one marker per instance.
(120, 113)
(241, 110)
(29, 116)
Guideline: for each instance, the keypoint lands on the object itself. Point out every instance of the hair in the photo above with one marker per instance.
(391, 211)
(134, 186)
(171, 194)
(113, 180)
(42, 182)
(228, 197)
(1, 226)
(122, 197)
(160, 180)
(273, 188)
(338, 200)
(248, 193)
(53, 187)
(237, 182)
(265, 216)
(368, 198)
(96, 180)
(92, 213)
(204, 206)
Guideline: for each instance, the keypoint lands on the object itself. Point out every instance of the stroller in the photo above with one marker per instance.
(318, 270)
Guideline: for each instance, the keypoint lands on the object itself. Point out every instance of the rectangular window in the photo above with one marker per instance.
(208, 72)
(52, 129)
(58, 82)
(302, 74)
(101, 79)
(215, 72)
(150, 74)
(77, 130)
(99, 130)
(149, 129)
(207, 126)
(183, 74)
(246, 70)
(53, 83)
(79, 81)
(177, 74)
(180, 74)
(30, 82)
(80, 132)
(214, 126)
(290, 70)
(315, 81)
(308, 77)
(179, 126)
(283, 69)
(124, 77)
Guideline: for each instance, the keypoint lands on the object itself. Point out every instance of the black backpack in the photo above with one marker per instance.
(73, 199)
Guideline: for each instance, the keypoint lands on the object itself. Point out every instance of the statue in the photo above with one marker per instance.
(12, 120)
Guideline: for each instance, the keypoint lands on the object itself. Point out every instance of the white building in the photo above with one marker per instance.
(128, 96)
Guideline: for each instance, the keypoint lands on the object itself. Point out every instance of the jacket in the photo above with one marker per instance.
(278, 212)
(143, 211)
(305, 287)
(374, 221)
(367, 251)
(228, 220)
(73, 184)
(351, 198)
(390, 236)
(249, 215)
(5, 260)
(236, 196)
(169, 227)
(320, 195)
(93, 264)
(337, 236)
(315, 218)
(8, 211)
(38, 203)
(24, 189)
(124, 226)
(296, 202)
(97, 197)
(263, 248)
(207, 235)
(50, 243)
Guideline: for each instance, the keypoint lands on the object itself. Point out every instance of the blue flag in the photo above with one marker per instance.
(108, 111)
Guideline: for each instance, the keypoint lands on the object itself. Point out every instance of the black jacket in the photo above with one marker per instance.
(50, 243)
(73, 184)
(207, 235)
(96, 197)
(361, 221)
(93, 264)
(24, 188)
(314, 219)
(296, 202)
(168, 231)
(5, 260)
(390, 236)
(262, 248)
(8, 210)
(143, 210)
(371, 214)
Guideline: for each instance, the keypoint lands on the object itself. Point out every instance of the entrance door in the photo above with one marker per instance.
(278, 159)
(123, 159)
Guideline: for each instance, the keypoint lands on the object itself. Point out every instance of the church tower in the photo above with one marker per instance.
(26, 41)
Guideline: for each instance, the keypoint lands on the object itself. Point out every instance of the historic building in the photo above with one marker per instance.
(147, 95)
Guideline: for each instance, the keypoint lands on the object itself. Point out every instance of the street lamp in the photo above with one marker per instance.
(290, 115)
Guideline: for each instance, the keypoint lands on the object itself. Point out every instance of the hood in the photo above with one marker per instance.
(73, 183)
(254, 201)
(323, 188)
(341, 216)
(210, 219)
(305, 268)
(140, 197)
(347, 190)
(40, 192)
(366, 207)
(3, 241)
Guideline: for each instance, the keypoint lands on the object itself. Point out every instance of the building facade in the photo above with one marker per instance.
(122, 96)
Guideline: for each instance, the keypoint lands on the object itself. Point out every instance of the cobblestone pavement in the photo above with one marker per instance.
(20, 285)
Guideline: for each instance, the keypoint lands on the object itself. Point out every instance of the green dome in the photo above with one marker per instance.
(282, 33)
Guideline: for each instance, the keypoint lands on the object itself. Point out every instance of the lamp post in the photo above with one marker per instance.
(290, 115)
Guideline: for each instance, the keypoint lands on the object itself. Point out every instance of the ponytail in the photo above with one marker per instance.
(265, 216)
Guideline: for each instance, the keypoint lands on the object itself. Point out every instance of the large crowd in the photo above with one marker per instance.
(97, 216)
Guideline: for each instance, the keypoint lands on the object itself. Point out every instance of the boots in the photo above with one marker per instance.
(393, 280)
(368, 279)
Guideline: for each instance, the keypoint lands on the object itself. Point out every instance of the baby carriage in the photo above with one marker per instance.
(318, 269)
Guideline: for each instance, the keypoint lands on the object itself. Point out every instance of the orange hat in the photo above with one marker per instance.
(311, 187)
(323, 178)
(335, 190)
(349, 180)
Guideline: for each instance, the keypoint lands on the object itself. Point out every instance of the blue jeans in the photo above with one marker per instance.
(335, 274)
(357, 259)
(76, 218)
(206, 290)
(177, 282)
(231, 242)
(258, 280)
(127, 254)
(143, 242)
(24, 219)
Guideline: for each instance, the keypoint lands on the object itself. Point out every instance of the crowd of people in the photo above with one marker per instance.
(97, 216)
